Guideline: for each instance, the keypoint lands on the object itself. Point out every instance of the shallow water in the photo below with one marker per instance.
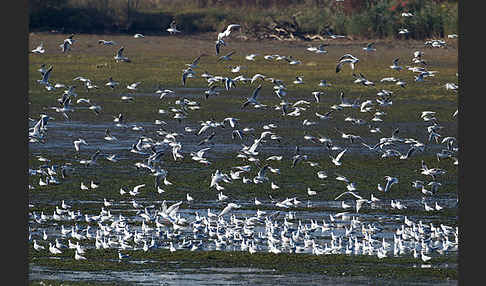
(212, 276)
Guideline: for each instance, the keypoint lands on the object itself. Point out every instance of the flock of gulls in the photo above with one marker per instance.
(133, 224)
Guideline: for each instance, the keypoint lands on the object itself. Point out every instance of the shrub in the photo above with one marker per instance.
(365, 19)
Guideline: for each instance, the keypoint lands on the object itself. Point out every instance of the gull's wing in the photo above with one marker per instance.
(200, 153)
(338, 157)
(184, 77)
(232, 26)
(409, 152)
(341, 96)
(245, 104)
(339, 66)
(95, 155)
(218, 45)
(347, 56)
(255, 144)
(351, 193)
(196, 59)
(120, 51)
(256, 92)
(45, 77)
(262, 171)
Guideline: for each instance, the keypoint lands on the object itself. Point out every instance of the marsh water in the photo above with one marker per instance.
(213, 276)
(61, 135)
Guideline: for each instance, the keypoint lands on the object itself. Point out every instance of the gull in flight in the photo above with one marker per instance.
(260, 178)
(138, 36)
(251, 57)
(134, 85)
(226, 57)
(347, 59)
(252, 99)
(298, 157)
(228, 208)
(120, 57)
(136, 190)
(173, 28)
(369, 48)
(194, 65)
(92, 159)
(320, 49)
(389, 182)
(227, 31)
(108, 136)
(111, 83)
(106, 43)
(66, 107)
(374, 199)
(403, 31)
(324, 83)
(45, 77)
(409, 153)
(219, 43)
(67, 43)
(186, 73)
(39, 49)
(78, 142)
(395, 65)
(199, 155)
(111, 158)
(337, 159)
(232, 121)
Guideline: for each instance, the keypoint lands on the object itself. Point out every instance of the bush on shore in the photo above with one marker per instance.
(355, 18)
